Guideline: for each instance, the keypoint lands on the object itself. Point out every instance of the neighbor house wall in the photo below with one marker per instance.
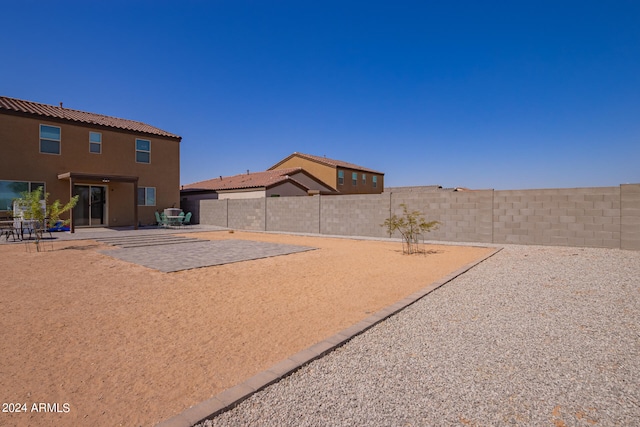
(324, 173)
(607, 217)
(329, 175)
(309, 182)
(285, 189)
(240, 194)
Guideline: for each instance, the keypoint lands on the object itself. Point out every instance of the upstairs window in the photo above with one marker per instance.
(340, 177)
(143, 151)
(354, 178)
(375, 181)
(50, 139)
(364, 179)
(95, 142)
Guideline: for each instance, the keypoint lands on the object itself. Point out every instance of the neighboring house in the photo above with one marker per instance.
(122, 170)
(344, 177)
(281, 182)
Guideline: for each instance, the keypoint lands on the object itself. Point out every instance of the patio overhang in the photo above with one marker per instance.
(75, 177)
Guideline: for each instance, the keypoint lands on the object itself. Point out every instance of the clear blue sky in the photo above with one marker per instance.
(480, 94)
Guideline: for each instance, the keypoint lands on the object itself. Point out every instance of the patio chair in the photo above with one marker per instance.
(181, 218)
(187, 219)
(7, 229)
(161, 219)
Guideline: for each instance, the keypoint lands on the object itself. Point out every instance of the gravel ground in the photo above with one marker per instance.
(532, 336)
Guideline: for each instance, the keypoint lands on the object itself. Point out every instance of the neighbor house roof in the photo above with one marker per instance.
(327, 162)
(243, 181)
(19, 106)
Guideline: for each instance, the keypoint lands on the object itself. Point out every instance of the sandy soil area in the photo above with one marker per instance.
(108, 343)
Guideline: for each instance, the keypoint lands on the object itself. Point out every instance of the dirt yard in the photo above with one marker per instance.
(107, 343)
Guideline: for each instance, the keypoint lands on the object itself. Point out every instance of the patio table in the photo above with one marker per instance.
(174, 219)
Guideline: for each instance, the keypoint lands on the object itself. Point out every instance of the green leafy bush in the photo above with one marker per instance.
(411, 225)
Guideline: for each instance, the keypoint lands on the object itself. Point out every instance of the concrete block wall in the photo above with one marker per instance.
(213, 212)
(247, 214)
(630, 216)
(565, 217)
(606, 217)
(354, 215)
(464, 216)
(293, 214)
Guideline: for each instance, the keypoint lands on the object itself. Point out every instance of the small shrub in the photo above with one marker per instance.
(411, 225)
(35, 208)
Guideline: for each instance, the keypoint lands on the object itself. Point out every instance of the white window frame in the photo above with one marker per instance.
(375, 181)
(59, 141)
(364, 179)
(143, 151)
(97, 143)
(354, 179)
(146, 196)
(340, 177)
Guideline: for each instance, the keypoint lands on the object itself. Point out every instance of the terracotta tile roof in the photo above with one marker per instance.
(264, 179)
(328, 162)
(56, 112)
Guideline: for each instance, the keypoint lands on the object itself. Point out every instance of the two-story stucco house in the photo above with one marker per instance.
(344, 177)
(123, 170)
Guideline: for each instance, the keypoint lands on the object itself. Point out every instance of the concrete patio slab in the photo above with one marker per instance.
(188, 255)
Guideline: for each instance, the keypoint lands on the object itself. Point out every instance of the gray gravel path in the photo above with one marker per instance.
(532, 336)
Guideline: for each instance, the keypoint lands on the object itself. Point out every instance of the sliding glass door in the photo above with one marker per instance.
(91, 207)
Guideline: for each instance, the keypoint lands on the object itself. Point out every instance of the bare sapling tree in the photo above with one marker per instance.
(35, 208)
(411, 226)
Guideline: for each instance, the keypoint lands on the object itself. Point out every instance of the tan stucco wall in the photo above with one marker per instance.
(241, 194)
(348, 188)
(21, 160)
(309, 182)
(326, 174)
(329, 175)
(285, 189)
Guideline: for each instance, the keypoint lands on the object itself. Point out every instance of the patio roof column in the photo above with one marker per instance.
(74, 177)
(135, 204)
(72, 226)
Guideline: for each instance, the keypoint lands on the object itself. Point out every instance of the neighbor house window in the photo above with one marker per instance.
(95, 142)
(354, 178)
(49, 139)
(375, 181)
(11, 190)
(364, 179)
(146, 196)
(340, 177)
(143, 151)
